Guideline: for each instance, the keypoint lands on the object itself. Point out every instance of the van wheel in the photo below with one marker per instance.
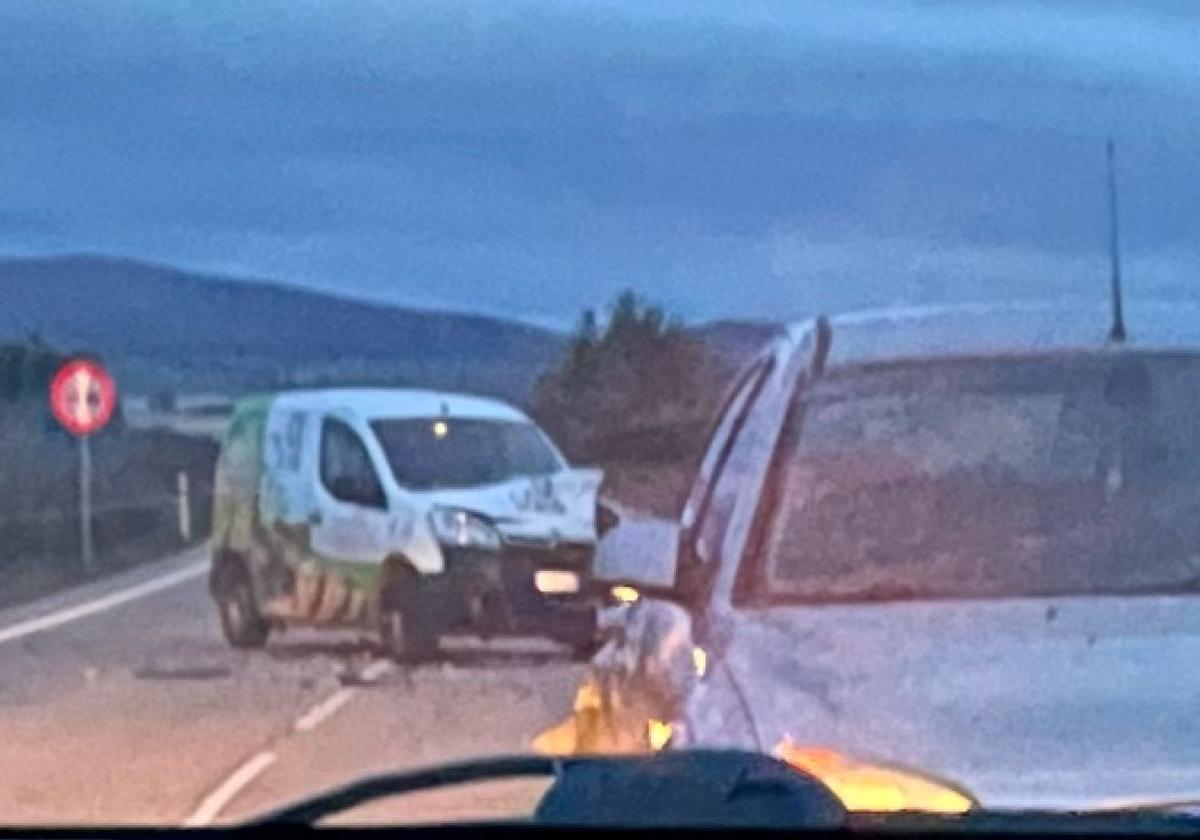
(241, 622)
(582, 650)
(403, 632)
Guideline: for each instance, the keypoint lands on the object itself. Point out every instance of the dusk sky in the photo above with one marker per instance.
(745, 159)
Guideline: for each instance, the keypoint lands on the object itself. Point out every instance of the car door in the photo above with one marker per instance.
(646, 671)
(699, 523)
(350, 522)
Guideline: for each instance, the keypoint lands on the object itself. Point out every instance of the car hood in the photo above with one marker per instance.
(1064, 703)
(556, 507)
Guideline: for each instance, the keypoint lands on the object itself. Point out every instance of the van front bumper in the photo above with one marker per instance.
(496, 592)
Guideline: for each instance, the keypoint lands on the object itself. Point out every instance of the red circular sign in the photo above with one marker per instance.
(83, 396)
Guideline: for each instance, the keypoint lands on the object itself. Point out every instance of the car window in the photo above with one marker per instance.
(346, 468)
(440, 336)
(1087, 470)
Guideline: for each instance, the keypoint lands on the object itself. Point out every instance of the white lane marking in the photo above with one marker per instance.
(325, 709)
(116, 599)
(215, 802)
(376, 670)
(212, 805)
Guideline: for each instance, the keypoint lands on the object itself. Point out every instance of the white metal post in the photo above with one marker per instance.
(185, 508)
(85, 505)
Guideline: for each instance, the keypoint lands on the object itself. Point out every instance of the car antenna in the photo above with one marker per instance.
(1117, 332)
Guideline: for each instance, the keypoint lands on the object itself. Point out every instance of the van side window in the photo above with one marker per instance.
(346, 468)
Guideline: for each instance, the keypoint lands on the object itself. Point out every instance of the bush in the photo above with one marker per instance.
(39, 464)
(640, 388)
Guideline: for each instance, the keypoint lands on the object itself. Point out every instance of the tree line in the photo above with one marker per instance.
(634, 392)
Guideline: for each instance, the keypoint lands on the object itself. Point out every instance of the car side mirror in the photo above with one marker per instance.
(638, 552)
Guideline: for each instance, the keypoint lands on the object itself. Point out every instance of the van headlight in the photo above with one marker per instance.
(462, 528)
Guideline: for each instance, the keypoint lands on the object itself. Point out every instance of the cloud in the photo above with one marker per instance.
(836, 274)
(534, 156)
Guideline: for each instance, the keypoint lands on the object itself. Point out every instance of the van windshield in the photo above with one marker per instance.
(433, 453)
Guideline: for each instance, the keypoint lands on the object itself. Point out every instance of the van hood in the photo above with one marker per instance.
(556, 507)
(1061, 703)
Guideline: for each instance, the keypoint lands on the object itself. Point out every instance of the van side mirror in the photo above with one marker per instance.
(606, 518)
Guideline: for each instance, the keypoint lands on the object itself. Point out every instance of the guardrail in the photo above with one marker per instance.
(41, 549)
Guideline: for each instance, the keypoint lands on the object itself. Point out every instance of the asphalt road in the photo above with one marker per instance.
(120, 703)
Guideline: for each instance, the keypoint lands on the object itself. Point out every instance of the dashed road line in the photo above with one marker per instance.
(215, 802)
(326, 709)
(212, 805)
(108, 602)
(313, 718)
(376, 669)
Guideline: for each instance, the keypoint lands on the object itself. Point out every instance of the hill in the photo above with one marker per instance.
(161, 328)
(165, 329)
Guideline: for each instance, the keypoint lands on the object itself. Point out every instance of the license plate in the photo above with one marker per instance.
(550, 582)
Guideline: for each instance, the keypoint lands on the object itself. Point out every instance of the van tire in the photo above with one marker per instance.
(404, 632)
(241, 622)
(583, 650)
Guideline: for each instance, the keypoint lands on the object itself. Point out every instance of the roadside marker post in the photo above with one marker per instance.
(185, 507)
(83, 397)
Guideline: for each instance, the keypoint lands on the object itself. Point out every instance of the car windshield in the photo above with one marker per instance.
(387, 383)
(434, 453)
(992, 478)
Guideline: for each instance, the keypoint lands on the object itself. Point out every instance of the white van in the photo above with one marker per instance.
(412, 512)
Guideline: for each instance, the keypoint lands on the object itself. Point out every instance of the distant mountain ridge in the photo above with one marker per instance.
(167, 329)
(162, 328)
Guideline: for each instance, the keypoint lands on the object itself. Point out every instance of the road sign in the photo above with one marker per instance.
(82, 396)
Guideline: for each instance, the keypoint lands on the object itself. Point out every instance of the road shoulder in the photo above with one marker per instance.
(77, 596)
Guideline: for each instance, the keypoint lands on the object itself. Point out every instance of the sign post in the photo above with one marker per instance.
(86, 552)
(83, 397)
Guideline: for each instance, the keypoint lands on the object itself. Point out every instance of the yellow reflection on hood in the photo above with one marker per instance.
(872, 787)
